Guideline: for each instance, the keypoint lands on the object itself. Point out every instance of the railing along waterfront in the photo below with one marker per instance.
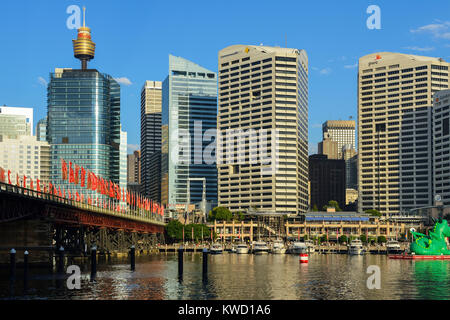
(140, 215)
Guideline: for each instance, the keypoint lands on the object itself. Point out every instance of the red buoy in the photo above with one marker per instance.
(303, 258)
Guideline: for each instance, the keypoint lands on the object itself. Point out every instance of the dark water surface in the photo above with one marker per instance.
(233, 276)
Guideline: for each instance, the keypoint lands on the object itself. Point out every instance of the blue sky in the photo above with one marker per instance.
(135, 37)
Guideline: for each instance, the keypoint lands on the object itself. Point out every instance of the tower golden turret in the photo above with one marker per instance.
(83, 47)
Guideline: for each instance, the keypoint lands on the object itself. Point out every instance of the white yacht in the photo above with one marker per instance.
(278, 247)
(356, 247)
(298, 247)
(310, 245)
(393, 247)
(260, 247)
(216, 248)
(242, 248)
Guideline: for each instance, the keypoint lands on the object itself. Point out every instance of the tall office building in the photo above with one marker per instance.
(341, 131)
(123, 160)
(395, 98)
(350, 157)
(84, 117)
(327, 181)
(16, 122)
(165, 165)
(190, 110)
(328, 147)
(41, 129)
(264, 88)
(151, 104)
(134, 170)
(441, 146)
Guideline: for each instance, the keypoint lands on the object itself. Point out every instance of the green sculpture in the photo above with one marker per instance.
(435, 243)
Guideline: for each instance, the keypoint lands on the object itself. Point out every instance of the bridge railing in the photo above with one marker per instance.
(130, 213)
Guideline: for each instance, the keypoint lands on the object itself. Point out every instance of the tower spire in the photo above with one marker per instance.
(83, 47)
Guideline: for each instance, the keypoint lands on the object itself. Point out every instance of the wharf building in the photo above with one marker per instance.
(264, 88)
(395, 100)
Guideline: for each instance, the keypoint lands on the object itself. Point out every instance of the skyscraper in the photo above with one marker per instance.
(441, 146)
(264, 89)
(341, 131)
(84, 117)
(41, 129)
(328, 147)
(190, 110)
(151, 104)
(123, 160)
(327, 181)
(395, 93)
(16, 122)
(134, 168)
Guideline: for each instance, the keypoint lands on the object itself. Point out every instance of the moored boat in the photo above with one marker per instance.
(393, 247)
(242, 248)
(216, 248)
(356, 247)
(260, 247)
(298, 247)
(310, 246)
(278, 247)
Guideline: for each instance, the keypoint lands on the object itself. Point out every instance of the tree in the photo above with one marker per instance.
(373, 212)
(323, 238)
(174, 230)
(381, 239)
(332, 204)
(315, 208)
(220, 213)
(239, 216)
(305, 237)
(343, 239)
(363, 238)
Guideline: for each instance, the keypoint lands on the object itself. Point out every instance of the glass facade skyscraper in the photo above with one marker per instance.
(41, 130)
(84, 122)
(189, 98)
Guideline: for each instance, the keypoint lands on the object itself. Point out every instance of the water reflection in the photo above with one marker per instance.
(233, 276)
(432, 279)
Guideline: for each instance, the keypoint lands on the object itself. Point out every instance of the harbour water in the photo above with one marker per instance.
(233, 276)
